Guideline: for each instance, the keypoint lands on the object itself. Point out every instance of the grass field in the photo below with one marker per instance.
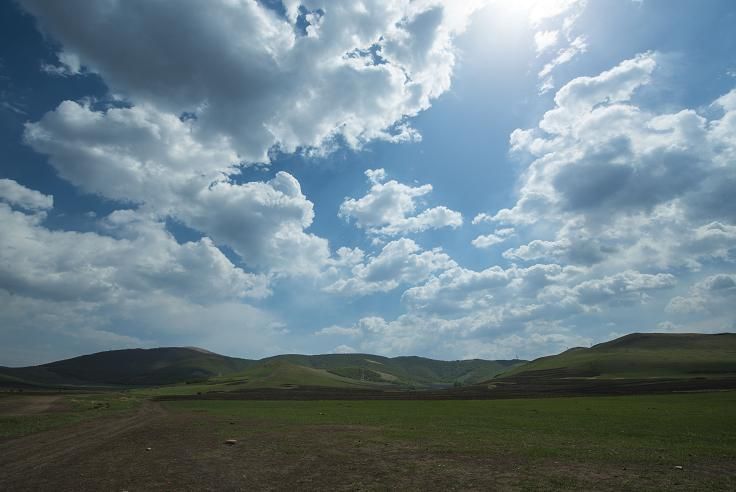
(682, 427)
(621, 441)
(601, 443)
(17, 418)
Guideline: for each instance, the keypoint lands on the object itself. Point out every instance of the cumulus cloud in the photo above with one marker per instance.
(198, 97)
(16, 194)
(144, 257)
(620, 205)
(622, 288)
(399, 262)
(713, 293)
(151, 159)
(130, 283)
(482, 217)
(578, 250)
(390, 208)
(136, 154)
(623, 183)
(324, 70)
(410, 334)
(488, 240)
(501, 312)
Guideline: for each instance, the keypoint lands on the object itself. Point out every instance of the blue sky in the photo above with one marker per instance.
(448, 179)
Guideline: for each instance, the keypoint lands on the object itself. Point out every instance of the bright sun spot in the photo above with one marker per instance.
(535, 11)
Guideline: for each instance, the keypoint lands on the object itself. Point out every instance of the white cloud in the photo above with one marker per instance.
(715, 293)
(622, 288)
(565, 55)
(390, 208)
(482, 217)
(249, 81)
(136, 154)
(624, 185)
(488, 240)
(343, 349)
(399, 262)
(132, 285)
(144, 257)
(264, 222)
(502, 313)
(142, 156)
(579, 250)
(253, 76)
(335, 330)
(20, 196)
(559, 17)
(544, 10)
(628, 206)
(545, 40)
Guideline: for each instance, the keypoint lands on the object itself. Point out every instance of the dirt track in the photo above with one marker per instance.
(23, 457)
(31, 405)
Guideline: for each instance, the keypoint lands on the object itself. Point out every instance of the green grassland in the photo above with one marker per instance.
(679, 441)
(641, 356)
(647, 435)
(74, 408)
(679, 427)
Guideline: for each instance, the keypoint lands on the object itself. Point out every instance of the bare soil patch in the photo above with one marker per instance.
(31, 405)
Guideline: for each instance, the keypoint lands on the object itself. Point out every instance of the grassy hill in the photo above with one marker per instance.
(650, 355)
(419, 371)
(276, 373)
(163, 366)
(640, 355)
(129, 367)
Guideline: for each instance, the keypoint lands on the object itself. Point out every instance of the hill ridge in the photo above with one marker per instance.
(170, 365)
(640, 355)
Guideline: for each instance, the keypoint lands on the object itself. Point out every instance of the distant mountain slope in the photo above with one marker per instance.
(131, 367)
(277, 373)
(640, 355)
(163, 366)
(407, 370)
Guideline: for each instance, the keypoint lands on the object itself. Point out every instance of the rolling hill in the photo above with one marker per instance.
(163, 366)
(640, 355)
(410, 370)
(129, 367)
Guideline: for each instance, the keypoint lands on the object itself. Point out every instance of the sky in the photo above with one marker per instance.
(476, 179)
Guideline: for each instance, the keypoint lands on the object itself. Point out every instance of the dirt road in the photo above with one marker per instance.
(25, 459)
